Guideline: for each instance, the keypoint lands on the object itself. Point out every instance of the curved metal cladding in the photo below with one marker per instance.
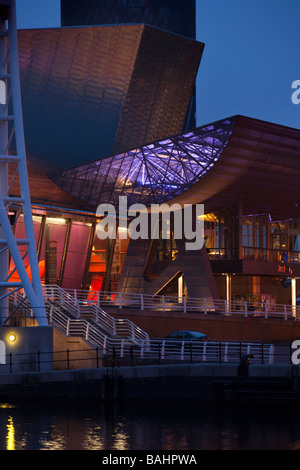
(177, 16)
(160, 90)
(93, 91)
(153, 173)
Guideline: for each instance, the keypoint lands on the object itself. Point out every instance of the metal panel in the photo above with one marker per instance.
(89, 92)
(74, 85)
(160, 90)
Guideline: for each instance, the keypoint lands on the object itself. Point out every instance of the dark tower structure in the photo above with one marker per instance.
(176, 16)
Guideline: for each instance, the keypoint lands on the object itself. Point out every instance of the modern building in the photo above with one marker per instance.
(175, 16)
(106, 112)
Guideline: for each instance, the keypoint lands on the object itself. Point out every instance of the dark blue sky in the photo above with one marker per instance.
(250, 61)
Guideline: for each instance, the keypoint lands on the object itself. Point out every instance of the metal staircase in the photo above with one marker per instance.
(75, 317)
(14, 186)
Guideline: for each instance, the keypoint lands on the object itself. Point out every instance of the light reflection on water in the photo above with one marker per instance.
(147, 426)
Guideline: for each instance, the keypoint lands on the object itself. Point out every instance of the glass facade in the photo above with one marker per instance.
(106, 263)
(72, 256)
(62, 249)
(76, 255)
(271, 246)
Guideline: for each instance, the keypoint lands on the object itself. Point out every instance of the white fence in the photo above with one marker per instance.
(128, 341)
(184, 305)
(200, 351)
(160, 350)
(83, 309)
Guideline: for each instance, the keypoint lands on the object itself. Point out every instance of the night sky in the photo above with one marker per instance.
(250, 61)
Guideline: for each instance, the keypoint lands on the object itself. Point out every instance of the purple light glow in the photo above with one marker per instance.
(150, 174)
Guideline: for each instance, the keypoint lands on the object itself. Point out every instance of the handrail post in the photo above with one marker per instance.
(285, 312)
(245, 309)
(182, 351)
(204, 352)
(68, 359)
(97, 358)
(163, 350)
(184, 304)
(205, 306)
(163, 302)
(120, 299)
(68, 327)
(226, 352)
(142, 302)
(87, 331)
(266, 310)
(51, 313)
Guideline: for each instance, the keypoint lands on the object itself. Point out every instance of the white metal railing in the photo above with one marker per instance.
(184, 305)
(137, 346)
(75, 327)
(83, 308)
(87, 304)
(205, 351)
(160, 349)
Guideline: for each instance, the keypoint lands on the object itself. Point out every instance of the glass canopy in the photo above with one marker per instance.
(152, 174)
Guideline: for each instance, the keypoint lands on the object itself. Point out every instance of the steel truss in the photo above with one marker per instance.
(154, 173)
(13, 173)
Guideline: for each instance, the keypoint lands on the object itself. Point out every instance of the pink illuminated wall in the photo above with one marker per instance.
(76, 256)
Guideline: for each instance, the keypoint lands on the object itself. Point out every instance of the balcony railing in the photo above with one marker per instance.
(271, 255)
(167, 303)
(257, 254)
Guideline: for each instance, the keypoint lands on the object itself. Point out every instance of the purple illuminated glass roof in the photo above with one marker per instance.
(153, 173)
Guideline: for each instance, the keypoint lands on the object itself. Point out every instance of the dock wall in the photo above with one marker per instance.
(205, 382)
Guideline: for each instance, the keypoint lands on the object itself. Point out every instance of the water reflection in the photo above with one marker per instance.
(147, 426)
(10, 436)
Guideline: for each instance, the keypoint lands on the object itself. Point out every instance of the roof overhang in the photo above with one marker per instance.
(235, 161)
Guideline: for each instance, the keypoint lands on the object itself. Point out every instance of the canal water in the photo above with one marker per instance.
(148, 425)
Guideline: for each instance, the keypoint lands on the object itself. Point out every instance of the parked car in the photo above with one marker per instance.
(187, 336)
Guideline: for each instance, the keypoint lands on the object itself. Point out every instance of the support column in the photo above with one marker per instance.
(240, 230)
(228, 292)
(294, 295)
(4, 256)
(180, 289)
